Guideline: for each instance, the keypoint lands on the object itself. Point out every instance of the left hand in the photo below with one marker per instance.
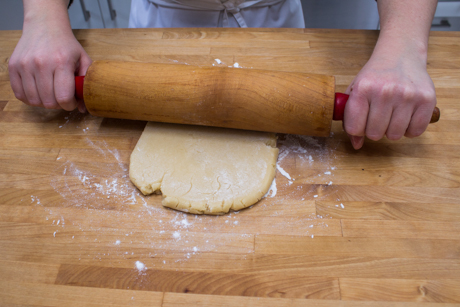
(392, 95)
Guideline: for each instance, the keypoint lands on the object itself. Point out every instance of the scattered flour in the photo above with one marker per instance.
(140, 266)
(218, 61)
(283, 172)
(272, 189)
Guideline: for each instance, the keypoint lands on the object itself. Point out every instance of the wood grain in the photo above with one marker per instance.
(369, 228)
(178, 300)
(14, 294)
(358, 247)
(389, 211)
(261, 100)
(437, 291)
(260, 285)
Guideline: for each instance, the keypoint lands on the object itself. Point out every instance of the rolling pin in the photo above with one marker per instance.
(250, 99)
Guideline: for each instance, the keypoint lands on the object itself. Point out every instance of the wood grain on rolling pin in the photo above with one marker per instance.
(262, 100)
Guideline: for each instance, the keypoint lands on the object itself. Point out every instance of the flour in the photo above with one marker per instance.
(283, 172)
(105, 193)
(272, 189)
(140, 266)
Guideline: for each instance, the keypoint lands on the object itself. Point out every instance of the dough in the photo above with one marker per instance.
(204, 170)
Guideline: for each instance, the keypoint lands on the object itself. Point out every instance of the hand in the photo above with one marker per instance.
(44, 63)
(392, 95)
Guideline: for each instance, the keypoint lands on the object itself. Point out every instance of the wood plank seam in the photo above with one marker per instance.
(340, 289)
(162, 298)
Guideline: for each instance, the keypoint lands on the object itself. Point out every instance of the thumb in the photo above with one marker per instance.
(350, 87)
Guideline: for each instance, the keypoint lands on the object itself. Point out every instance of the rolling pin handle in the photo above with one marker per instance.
(79, 80)
(339, 105)
(341, 101)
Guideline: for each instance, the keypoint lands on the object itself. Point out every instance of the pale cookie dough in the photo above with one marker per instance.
(204, 170)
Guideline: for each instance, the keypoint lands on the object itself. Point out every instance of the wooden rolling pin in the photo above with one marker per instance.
(262, 100)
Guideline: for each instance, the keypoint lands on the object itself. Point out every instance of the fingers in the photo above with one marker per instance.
(30, 89)
(419, 122)
(400, 119)
(45, 87)
(355, 115)
(16, 84)
(64, 88)
(378, 118)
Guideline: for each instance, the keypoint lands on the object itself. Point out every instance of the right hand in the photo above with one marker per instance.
(43, 66)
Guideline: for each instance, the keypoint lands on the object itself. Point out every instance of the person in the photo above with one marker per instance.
(392, 95)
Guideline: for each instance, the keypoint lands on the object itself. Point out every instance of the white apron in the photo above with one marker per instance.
(216, 13)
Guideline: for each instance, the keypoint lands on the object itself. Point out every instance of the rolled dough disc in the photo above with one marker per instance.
(204, 170)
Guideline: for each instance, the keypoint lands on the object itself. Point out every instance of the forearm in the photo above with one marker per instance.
(405, 26)
(52, 13)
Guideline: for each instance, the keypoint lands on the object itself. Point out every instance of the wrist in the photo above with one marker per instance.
(397, 45)
(51, 14)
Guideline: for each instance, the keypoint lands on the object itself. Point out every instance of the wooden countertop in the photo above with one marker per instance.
(375, 227)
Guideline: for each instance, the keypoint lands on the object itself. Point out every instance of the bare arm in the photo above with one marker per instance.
(47, 57)
(393, 94)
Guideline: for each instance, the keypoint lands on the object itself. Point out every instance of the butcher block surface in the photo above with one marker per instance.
(374, 227)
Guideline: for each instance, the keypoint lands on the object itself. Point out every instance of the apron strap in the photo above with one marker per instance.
(227, 6)
(230, 7)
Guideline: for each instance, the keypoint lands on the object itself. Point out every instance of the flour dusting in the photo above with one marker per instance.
(283, 172)
(140, 266)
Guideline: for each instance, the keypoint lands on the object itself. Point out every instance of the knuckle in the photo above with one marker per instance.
(22, 63)
(373, 136)
(409, 94)
(61, 58)
(64, 100)
(40, 61)
(20, 96)
(12, 65)
(34, 102)
(428, 97)
(417, 132)
(352, 129)
(364, 85)
(394, 136)
(49, 105)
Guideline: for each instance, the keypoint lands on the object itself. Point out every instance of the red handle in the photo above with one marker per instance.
(339, 105)
(79, 80)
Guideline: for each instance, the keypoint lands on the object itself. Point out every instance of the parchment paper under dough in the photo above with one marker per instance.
(204, 170)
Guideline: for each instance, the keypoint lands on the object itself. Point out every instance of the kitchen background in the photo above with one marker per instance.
(340, 14)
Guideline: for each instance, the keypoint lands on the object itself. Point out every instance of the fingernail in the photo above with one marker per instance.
(82, 108)
(357, 141)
